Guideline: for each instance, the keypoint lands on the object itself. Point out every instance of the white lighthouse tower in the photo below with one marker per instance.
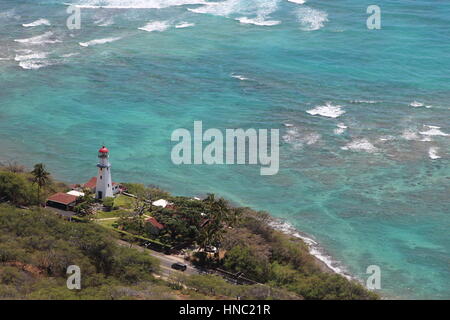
(103, 188)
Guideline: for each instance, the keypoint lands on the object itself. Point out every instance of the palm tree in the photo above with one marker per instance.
(41, 178)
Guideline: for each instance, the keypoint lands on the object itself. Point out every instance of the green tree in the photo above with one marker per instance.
(84, 206)
(14, 188)
(41, 178)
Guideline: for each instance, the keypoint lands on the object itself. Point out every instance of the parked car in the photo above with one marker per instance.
(179, 266)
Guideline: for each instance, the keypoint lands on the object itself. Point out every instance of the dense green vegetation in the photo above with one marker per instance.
(248, 246)
(37, 246)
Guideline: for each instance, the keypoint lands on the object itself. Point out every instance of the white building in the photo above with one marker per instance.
(76, 193)
(104, 185)
(161, 203)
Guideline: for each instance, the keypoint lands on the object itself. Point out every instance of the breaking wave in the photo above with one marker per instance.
(328, 110)
(133, 4)
(314, 248)
(30, 60)
(239, 77)
(311, 19)
(434, 131)
(46, 38)
(155, 26)
(255, 12)
(360, 145)
(36, 23)
(98, 41)
(258, 21)
(183, 25)
(341, 127)
(433, 153)
(104, 22)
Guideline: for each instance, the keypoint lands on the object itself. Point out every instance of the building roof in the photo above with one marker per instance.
(76, 193)
(160, 203)
(62, 198)
(155, 223)
(103, 150)
(91, 184)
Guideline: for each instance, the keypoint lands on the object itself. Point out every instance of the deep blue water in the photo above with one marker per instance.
(367, 176)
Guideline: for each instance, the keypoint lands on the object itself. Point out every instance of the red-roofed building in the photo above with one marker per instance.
(92, 183)
(62, 201)
(154, 225)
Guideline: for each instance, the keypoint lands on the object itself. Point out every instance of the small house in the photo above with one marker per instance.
(63, 201)
(154, 226)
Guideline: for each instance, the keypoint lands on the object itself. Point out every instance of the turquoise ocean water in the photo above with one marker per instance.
(364, 115)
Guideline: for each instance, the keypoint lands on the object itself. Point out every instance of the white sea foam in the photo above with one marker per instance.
(314, 248)
(386, 138)
(240, 77)
(311, 19)
(360, 145)
(155, 26)
(409, 134)
(252, 11)
(68, 55)
(297, 1)
(36, 23)
(30, 60)
(364, 101)
(33, 65)
(433, 153)
(416, 104)
(98, 41)
(328, 110)
(412, 135)
(434, 131)
(133, 4)
(298, 139)
(223, 8)
(258, 21)
(183, 25)
(341, 127)
(311, 138)
(31, 56)
(45, 38)
(104, 22)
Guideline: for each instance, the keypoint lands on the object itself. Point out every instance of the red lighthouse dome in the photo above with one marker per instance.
(103, 150)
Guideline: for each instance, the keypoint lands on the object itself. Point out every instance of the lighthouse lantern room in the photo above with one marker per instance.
(103, 188)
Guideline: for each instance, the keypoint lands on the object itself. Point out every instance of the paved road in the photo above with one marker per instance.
(166, 261)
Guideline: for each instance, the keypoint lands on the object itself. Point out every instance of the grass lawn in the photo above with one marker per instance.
(111, 214)
(106, 223)
(124, 202)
